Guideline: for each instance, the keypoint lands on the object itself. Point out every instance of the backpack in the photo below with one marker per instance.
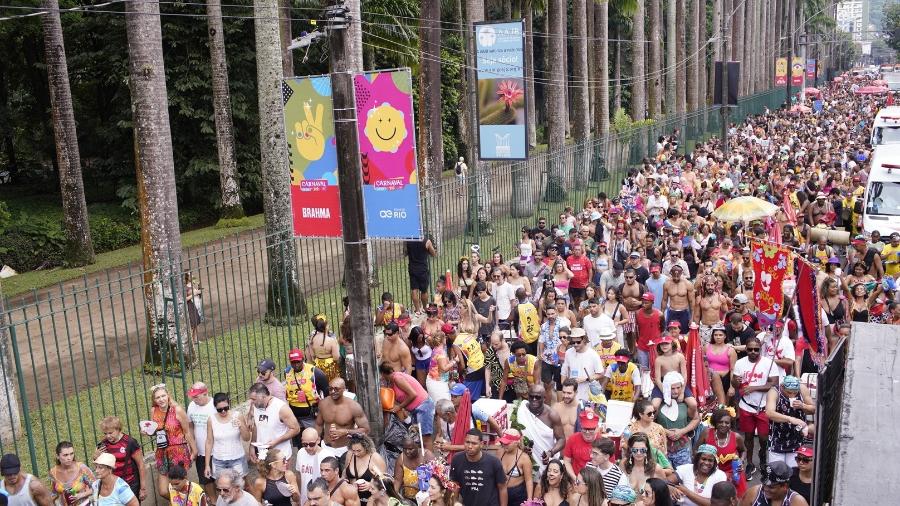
(458, 169)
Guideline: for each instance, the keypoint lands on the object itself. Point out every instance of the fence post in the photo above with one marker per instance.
(7, 386)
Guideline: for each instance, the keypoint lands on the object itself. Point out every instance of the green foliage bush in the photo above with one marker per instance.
(33, 243)
(234, 222)
(109, 234)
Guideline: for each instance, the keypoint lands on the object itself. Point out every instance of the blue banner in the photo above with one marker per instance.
(387, 150)
(500, 69)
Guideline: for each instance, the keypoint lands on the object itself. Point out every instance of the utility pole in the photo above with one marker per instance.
(724, 84)
(356, 257)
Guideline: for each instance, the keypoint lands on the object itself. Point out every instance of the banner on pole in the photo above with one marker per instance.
(781, 68)
(387, 150)
(309, 130)
(810, 69)
(500, 69)
(797, 69)
(771, 266)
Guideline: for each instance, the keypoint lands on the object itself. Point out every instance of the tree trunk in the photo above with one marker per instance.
(480, 194)
(556, 103)
(284, 31)
(580, 125)
(529, 74)
(654, 89)
(701, 58)
(716, 48)
(79, 248)
(228, 183)
(591, 70)
(432, 134)
(671, 57)
(354, 33)
(601, 53)
(638, 65)
(617, 74)
(170, 341)
(283, 293)
(737, 31)
(749, 46)
(681, 59)
(693, 67)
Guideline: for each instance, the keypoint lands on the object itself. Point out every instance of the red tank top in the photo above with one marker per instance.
(647, 328)
(726, 454)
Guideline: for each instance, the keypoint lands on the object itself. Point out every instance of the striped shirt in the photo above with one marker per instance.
(612, 477)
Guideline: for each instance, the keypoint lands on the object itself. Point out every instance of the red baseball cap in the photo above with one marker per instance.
(674, 324)
(448, 328)
(665, 338)
(197, 391)
(655, 268)
(295, 355)
(648, 296)
(806, 451)
(589, 420)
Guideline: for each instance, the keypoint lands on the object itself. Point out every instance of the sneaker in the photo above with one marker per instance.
(749, 470)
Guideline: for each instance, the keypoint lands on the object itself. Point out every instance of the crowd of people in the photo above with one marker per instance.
(593, 307)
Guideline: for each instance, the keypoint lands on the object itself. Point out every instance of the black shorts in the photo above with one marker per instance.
(200, 462)
(419, 280)
(552, 373)
(577, 293)
(531, 348)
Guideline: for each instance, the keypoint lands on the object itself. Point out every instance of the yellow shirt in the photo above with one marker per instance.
(529, 322)
(525, 372)
(303, 381)
(608, 355)
(890, 259)
(471, 348)
(621, 385)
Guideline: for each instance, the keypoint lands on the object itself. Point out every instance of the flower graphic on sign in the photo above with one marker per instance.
(385, 128)
(509, 92)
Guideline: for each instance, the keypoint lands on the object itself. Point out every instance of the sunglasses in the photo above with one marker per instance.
(576, 342)
(650, 413)
(805, 460)
(388, 333)
(223, 490)
(223, 409)
(752, 350)
(310, 445)
(638, 451)
(536, 397)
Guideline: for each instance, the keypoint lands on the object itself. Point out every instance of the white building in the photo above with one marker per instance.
(850, 17)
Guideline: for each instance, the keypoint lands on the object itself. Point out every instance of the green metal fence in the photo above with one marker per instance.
(76, 352)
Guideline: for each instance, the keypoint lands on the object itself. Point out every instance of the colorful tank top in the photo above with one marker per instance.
(471, 348)
(620, 383)
(434, 370)
(529, 322)
(523, 372)
(169, 421)
(726, 455)
(303, 382)
(64, 493)
(193, 497)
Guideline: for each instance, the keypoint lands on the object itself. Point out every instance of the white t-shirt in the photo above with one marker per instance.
(504, 294)
(783, 350)
(308, 468)
(686, 473)
(595, 327)
(754, 374)
(577, 365)
(199, 416)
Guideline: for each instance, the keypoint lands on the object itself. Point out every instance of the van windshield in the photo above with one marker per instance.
(884, 199)
(886, 135)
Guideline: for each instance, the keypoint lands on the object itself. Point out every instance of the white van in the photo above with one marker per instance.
(882, 196)
(886, 127)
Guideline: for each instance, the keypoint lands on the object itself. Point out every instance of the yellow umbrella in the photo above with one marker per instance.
(745, 209)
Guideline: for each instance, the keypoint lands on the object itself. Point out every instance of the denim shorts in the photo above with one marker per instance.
(239, 465)
(424, 414)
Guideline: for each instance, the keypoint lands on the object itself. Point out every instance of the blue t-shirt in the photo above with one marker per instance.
(120, 496)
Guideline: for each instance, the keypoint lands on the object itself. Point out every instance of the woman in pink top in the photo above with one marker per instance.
(721, 358)
(409, 395)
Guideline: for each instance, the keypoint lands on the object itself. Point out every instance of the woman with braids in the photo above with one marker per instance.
(556, 487)
(729, 446)
(324, 348)
(405, 475)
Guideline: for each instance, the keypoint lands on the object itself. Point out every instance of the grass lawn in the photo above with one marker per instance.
(34, 280)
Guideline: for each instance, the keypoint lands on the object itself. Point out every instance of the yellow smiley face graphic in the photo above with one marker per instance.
(385, 128)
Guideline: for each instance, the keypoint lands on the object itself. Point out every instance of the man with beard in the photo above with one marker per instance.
(338, 417)
(541, 425)
(678, 298)
(710, 307)
(304, 384)
(567, 407)
(775, 489)
(577, 452)
(630, 294)
(22, 488)
(270, 420)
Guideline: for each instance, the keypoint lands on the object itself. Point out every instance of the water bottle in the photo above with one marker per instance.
(736, 471)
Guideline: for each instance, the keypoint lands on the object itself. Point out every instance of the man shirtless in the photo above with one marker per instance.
(548, 437)
(339, 489)
(342, 416)
(710, 307)
(630, 294)
(678, 298)
(394, 351)
(567, 407)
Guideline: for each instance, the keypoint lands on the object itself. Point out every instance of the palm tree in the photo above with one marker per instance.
(531, 112)
(228, 184)
(160, 233)
(601, 57)
(284, 31)
(431, 132)
(737, 29)
(704, 49)
(654, 88)
(693, 63)
(671, 56)
(580, 126)
(79, 248)
(556, 103)
(480, 180)
(681, 60)
(284, 292)
(638, 89)
(716, 46)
